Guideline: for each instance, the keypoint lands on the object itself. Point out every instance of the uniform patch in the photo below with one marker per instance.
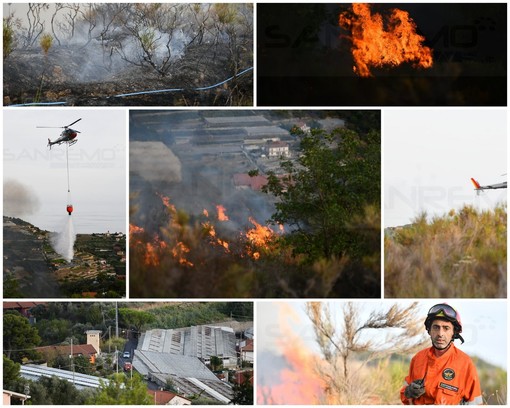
(448, 374)
(448, 387)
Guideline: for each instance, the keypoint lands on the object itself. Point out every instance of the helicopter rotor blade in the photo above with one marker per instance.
(72, 123)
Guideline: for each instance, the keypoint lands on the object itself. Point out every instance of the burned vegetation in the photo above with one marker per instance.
(112, 54)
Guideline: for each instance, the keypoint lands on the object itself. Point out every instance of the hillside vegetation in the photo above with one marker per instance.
(462, 254)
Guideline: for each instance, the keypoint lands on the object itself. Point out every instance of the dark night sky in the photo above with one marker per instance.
(304, 57)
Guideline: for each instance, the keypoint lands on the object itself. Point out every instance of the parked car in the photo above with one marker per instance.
(128, 366)
(126, 354)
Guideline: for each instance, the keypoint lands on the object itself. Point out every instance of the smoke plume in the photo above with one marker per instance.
(19, 200)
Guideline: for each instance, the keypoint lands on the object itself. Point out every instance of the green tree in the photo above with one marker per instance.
(20, 338)
(52, 391)
(10, 373)
(8, 38)
(53, 331)
(216, 363)
(335, 179)
(82, 365)
(61, 392)
(136, 319)
(243, 392)
(122, 390)
(237, 310)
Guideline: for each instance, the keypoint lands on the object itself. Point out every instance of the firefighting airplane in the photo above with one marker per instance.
(68, 135)
(479, 188)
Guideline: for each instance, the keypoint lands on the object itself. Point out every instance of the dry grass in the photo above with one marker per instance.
(462, 254)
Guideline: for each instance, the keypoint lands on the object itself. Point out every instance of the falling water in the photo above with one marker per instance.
(63, 241)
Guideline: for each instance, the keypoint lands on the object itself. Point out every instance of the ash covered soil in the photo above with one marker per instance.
(32, 269)
(69, 76)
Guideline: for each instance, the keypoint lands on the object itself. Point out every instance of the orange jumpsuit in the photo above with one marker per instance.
(449, 380)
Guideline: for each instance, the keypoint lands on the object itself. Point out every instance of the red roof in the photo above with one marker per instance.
(244, 180)
(78, 349)
(21, 305)
(242, 376)
(248, 346)
(278, 144)
(162, 397)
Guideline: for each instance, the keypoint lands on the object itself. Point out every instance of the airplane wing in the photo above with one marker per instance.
(488, 187)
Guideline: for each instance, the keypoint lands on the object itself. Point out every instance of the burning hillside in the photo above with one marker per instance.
(201, 234)
(107, 52)
(193, 245)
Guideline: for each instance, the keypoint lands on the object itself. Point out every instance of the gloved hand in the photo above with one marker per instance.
(415, 390)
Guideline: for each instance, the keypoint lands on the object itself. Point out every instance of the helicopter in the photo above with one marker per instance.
(68, 135)
(479, 188)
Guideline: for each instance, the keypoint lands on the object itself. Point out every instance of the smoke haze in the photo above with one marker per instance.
(19, 200)
(154, 162)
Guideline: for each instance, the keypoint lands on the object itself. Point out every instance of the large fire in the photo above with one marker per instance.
(174, 238)
(376, 43)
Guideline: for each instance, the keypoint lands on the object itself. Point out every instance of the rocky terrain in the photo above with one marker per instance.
(33, 269)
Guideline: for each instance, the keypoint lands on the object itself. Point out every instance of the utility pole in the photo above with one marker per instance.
(116, 320)
(116, 359)
(72, 359)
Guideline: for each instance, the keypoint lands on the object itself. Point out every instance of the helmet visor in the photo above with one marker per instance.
(447, 310)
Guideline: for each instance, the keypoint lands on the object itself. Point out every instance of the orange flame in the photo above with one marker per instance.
(300, 382)
(179, 252)
(258, 237)
(206, 213)
(154, 250)
(166, 202)
(134, 230)
(212, 233)
(222, 216)
(375, 46)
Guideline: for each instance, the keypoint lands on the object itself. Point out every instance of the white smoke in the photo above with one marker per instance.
(63, 241)
(19, 200)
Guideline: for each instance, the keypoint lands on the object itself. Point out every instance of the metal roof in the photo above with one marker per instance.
(196, 341)
(180, 366)
(34, 372)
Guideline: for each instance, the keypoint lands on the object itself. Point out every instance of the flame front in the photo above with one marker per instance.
(258, 237)
(222, 215)
(300, 382)
(157, 247)
(374, 45)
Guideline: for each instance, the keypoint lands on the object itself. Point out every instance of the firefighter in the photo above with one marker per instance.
(442, 374)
